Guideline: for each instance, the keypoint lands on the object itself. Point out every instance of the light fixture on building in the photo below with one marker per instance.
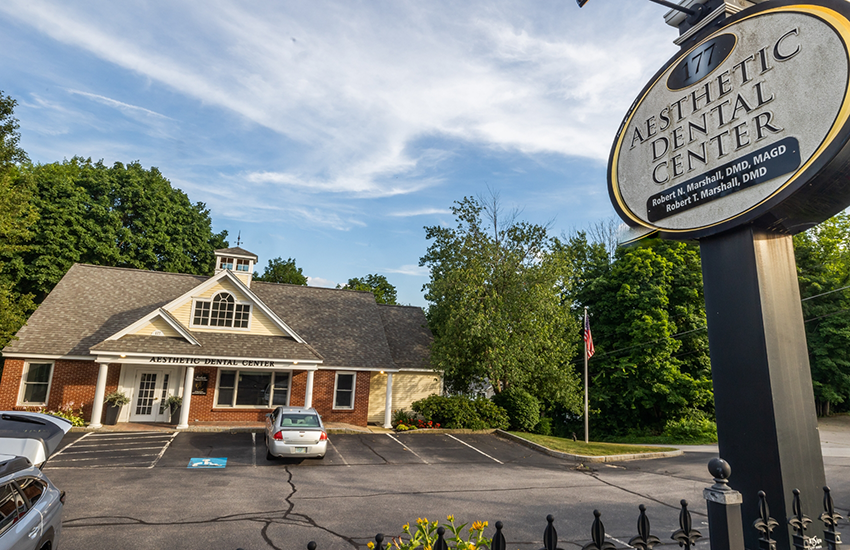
(122, 356)
(382, 372)
(295, 362)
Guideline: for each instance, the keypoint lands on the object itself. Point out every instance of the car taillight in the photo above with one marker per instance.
(324, 436)
(278, 436)
(62, 497)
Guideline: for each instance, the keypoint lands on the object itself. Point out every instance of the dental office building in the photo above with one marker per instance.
(232, 348)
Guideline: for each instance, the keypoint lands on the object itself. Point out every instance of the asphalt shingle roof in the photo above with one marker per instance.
(342, 327)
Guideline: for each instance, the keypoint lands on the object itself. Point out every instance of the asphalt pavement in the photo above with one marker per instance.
(143, 493)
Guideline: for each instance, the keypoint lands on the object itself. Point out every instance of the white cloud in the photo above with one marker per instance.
(359, 85)
(126, 108)
(319, 282)
(410, 269)
(419, 212)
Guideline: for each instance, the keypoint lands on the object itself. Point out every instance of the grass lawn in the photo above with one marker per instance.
(587, 449)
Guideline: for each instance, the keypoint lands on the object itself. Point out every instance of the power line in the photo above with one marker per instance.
(824, 294)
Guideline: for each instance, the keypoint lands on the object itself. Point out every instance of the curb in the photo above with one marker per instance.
(585, 458)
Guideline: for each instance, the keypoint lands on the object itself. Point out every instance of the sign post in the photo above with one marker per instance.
(740, 141)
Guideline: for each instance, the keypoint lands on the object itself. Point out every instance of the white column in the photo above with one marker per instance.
(187, 399)
(99, 394)
(308, 393)
(388, 410)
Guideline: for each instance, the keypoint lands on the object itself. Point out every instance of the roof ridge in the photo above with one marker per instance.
(255, 281)
(78, 264)
(401, 305)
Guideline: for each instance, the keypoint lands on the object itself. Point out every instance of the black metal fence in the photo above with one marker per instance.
(724, 535)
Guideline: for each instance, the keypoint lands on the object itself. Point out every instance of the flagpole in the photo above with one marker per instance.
(586, 426)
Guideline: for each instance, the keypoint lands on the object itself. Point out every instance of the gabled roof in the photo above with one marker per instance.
(341, 328)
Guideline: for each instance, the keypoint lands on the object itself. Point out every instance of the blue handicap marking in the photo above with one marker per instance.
(207, 463)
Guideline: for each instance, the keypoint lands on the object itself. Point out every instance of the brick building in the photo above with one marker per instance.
(232, 348)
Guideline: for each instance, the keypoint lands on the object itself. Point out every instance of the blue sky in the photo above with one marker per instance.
(332, 132)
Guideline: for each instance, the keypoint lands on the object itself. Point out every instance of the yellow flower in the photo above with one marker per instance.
(478, 526)
(406, 527)
(370, 545)
(427, 548)
(450, 517)
(421, 521)
(471, 547)
(435, 523)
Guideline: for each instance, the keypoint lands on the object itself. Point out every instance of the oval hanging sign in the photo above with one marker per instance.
(748, 125)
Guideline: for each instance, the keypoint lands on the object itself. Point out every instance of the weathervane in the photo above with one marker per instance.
(694, 15)
(239, 238)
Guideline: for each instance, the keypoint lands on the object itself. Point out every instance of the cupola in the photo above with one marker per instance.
(238, 260)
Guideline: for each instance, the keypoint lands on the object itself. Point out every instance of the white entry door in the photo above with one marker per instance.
(150, 391)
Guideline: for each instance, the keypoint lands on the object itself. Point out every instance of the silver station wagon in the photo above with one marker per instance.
(295, 432)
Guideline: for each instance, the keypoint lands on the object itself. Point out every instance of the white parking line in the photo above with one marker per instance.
(66, 459)
(254, 447)
(100, 437)
(474, 449)
(110, 450)
(63, 449)
(164, 448)
(339, 453)
(407, 449)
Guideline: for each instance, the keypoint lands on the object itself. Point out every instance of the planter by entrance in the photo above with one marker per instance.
(112, 412)
(175, 415)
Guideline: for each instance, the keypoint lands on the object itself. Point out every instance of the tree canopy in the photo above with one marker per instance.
(823, 270)
(123, 216)
(496, 308)
(384, 291)
(280, 271)
(647, 319)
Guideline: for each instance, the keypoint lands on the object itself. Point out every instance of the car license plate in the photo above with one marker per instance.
(300, 449)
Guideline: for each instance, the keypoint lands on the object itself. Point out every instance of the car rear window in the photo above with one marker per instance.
(32, 488)
(299, 421)
(12, 507)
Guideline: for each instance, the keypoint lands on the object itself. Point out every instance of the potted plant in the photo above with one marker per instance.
(175, 405)
(114, 401)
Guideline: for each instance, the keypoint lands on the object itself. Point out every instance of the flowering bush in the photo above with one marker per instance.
(66, 411)
(456, 536)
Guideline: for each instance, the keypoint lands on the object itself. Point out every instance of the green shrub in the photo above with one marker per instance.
(459, 412)
(491, 414)
(695, 426)
(523, 408)
(67, 412)
(544, 427)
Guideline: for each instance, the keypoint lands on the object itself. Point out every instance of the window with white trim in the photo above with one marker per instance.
(35, 384)
(344, 390)
(222, 310)
(252, 389)
(237, 264)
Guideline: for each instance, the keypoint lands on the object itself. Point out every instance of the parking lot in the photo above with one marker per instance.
(167, 450)
(138, 491)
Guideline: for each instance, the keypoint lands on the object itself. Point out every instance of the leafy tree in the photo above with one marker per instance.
(17, 215)
(123, 216)
(10, 151)
(385, 293)
(496, 306)
(642, 376)
(279, 271)
(823, 269)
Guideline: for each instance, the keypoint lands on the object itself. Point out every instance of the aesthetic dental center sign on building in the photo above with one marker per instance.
(734, 129)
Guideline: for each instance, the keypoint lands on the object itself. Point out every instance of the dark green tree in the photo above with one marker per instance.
(10, 150)
(280, 271)
(385, 293)
(17, 216)
(823, 270)
(647, 316)
(124, 216)
(496, 309)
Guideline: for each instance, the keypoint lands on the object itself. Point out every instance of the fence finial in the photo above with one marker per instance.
(644, 539)
(597, 535)
(550, 535)
(799, 522)
(686, 536)
(765, 524)
(499, 542)
(830, 519)
(311, 545)
(441, 543)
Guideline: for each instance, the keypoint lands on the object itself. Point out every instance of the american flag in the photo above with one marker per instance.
(588, 337)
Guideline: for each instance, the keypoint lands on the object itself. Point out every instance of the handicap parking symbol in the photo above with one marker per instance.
(207, 463)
